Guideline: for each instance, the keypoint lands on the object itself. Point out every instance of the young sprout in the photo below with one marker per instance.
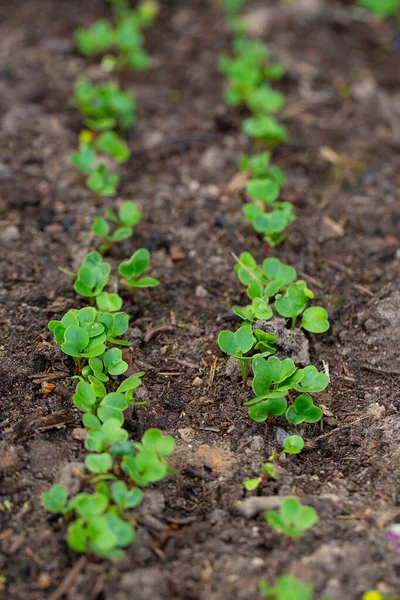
(266, 129)
(128, 216)
(271, 224)
(381, 8)
(245, 345)
(287, 587)
(149, 464)
(104, 106)
(293, 519)
(102, 182)
(133, 269)
(115, 325)
(80, 335)
(293, 444)
(96, 39)
(273, 380)
(108, 302)
(92, 277)
(266, 282)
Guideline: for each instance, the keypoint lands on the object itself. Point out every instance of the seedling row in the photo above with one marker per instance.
(101, 521)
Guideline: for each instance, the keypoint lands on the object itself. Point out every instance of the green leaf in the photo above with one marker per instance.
(84, 397)
(108, 302)
(145, 282)
(275, 269)
(293, 444)
(292, 303)
(267, 408)
(312, 381)
(112, 407)
(132, 382)
(129, 214)
(98, 463)
(100, 227)
(76, 539)
(381, 8)
(122, 233)
(303, 410)
(136, 265)
(55, 499)
(155, 439)
(84, 160)
(113, 362)
(75, 340)
(252, 484)
(126, 498)
(265, 190)
(315, 319)
(89, 505)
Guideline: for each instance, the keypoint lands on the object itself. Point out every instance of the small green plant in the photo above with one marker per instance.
(246, 344)
(265, 128)
(80, 335)
(276, 280)
(124, 36)
(287, 587)
(273, 380)
(102, 182)
(381, 8)
(270, 221)
(104, 106)
(293, 519)
(92, 277)
(128, 216)
(133, 269)
(293, 444)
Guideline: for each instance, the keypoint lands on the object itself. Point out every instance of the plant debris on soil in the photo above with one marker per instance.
(201, 536)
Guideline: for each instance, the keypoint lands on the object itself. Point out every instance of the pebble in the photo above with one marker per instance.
(9, 234)
(281, 435)
(201, 292)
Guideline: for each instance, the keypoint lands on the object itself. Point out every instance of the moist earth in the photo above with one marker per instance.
(196, 538)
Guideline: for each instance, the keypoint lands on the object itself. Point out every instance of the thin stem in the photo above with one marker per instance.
(244, 369)
(294, 319)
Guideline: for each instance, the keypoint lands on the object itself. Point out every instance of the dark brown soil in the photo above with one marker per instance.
(343, 165)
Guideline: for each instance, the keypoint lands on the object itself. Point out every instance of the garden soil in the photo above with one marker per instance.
(200, 535)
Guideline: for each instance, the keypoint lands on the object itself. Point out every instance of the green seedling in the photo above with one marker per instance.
(96, 39)
(107, 142)
(266, 129)
(258, 167)
(124, 497)
(128, 387)
(245, 345)
(102, 182)
(104, 106)
(381, 8)
(293, 444)
(128, 216)
(287, 587)
(80, 335)
(303, 410)
(92, 276)
(266, 282)
(293, 303)
(293, 519)
(108, 302)
(133, 269)
(149, 465)
(112, 144)
(115, 324)
(273, 380)
(110, 363)
(271, 224)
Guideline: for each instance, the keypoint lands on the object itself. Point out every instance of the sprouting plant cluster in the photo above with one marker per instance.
(101, 521)
(250, 75)
(107, 111)
(280, 388)
(121, 40)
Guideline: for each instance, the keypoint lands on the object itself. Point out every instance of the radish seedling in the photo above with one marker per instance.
(258, 167)
(293, 519)
(287, 587)
(102, 182)
(133, 269)
(266, 129)
(128, 216)
(266, 282)
(92, 277)
(104, 106)
(108, 302)
(293, 444)
(245, 345)
(273, 380)
(270, 224)
(95, 39)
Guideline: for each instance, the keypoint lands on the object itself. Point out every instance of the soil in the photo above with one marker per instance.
(343, 166)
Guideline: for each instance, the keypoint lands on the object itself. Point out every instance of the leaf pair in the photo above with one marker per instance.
(92, 276)
(128, 216)
(133, 269)
(293, 519)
